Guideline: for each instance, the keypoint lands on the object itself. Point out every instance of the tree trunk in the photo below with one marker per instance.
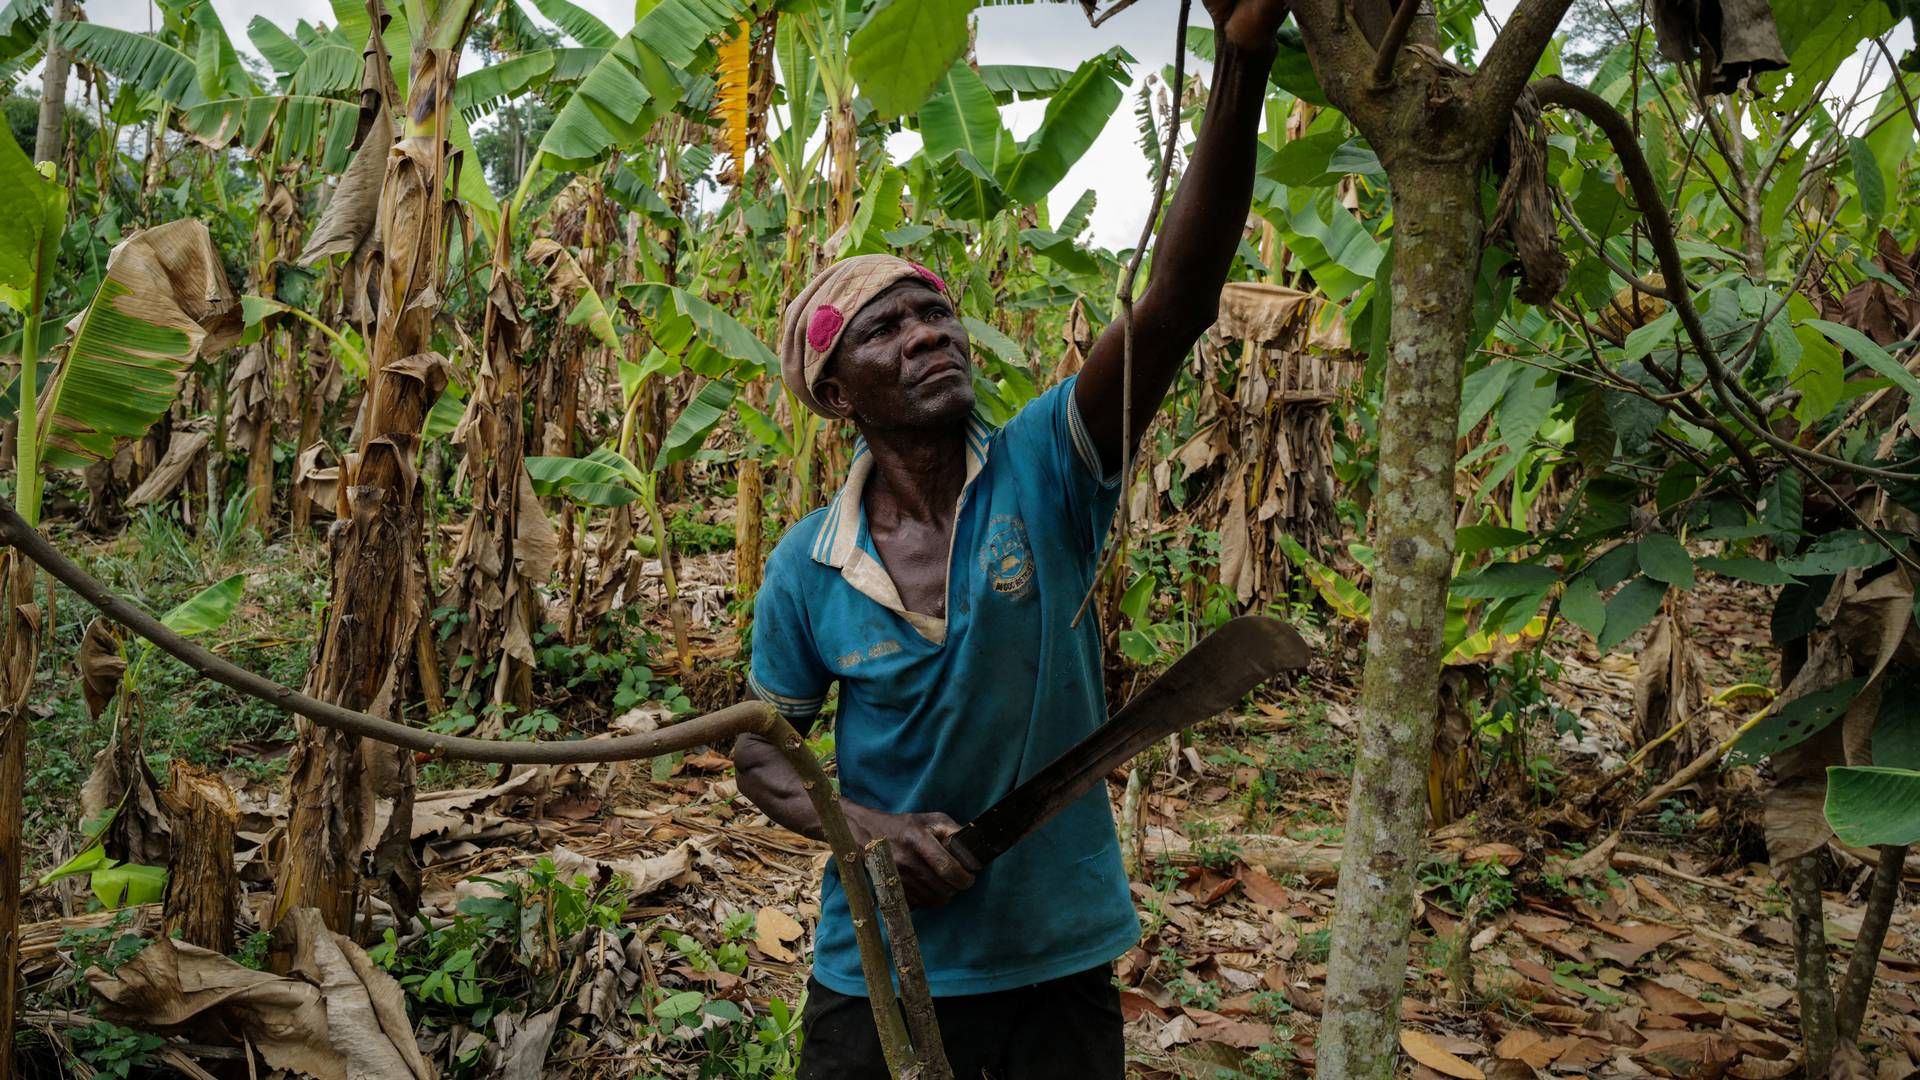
(1856, 987)
(1810, 963)
(53, 89)
(17, 655)
(366, 650)
(203, 891)
(1436, 253)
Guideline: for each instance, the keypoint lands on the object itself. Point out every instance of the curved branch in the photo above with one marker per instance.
(1734, 397)
(1127, 434)
(1850, 1004)
(748, 716)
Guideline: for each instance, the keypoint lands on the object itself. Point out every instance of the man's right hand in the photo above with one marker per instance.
(932, 874)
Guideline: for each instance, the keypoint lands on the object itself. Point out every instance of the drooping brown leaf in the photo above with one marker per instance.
(1734, 40)
(164, 302)
(349, 220)
(1523, 208)
(102, 665)
(1261, 313)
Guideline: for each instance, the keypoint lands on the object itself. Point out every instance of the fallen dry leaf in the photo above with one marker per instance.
(1240, 1033)
(1424, 1049)
(1263, 890)
(1665, 999)
(336, 1016)
(1753, 1068)
(1686, 1053)
(1134, 1005)
(1531, 1047)
(708, 761)
(1504, 854)
(772, 929)
(1647, 889)
(1651, 935)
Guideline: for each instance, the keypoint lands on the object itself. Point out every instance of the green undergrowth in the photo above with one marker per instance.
(515, 951)
(1272, 775)
(159, 563)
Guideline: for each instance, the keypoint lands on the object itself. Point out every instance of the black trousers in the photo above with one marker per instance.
(1065, 1029)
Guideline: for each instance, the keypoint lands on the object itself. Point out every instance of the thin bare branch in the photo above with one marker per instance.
(1899, 81)
(1626, 273)
(1511, 59)
(916, 1001)
(1126, 302)
(1389, 50)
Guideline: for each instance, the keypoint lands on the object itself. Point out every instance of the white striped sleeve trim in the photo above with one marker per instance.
(790, 707)
(1088, 453)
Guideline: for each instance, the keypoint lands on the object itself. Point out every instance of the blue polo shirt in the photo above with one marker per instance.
(950, 714)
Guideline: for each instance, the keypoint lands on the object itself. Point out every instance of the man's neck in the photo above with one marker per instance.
(917, 474)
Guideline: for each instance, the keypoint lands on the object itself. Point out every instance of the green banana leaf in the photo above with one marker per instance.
(900, 52)
(165, 299)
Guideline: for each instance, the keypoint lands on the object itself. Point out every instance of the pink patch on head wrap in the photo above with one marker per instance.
(932, 278)
(826, 322)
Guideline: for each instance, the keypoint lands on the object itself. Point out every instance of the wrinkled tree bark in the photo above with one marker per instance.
(340, 785)
(1436, 254)
(507, 547)
(1434, 127)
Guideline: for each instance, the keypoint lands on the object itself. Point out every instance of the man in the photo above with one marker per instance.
(938, 591)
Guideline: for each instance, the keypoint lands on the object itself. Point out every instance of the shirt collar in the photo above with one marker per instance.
(839, 534)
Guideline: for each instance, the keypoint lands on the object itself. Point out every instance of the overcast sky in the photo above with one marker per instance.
(1052, 35)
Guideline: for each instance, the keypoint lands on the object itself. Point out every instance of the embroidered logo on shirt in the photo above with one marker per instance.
(874, 652)
(1006, 558)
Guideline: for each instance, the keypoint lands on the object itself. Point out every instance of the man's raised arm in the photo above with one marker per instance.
(1200, 236)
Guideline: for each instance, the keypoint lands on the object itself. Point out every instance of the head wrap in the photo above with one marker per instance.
(813, 321)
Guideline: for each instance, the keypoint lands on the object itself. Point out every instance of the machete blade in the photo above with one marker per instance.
(1209, 679)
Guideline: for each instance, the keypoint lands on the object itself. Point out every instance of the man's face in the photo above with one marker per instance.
(902, 362)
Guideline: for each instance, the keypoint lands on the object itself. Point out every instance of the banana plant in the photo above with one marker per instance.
(164, 300)
(23, 38)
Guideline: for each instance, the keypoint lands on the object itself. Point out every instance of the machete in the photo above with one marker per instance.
(1211, 678)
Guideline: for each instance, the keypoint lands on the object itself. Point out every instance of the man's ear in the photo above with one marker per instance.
(829, 393)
